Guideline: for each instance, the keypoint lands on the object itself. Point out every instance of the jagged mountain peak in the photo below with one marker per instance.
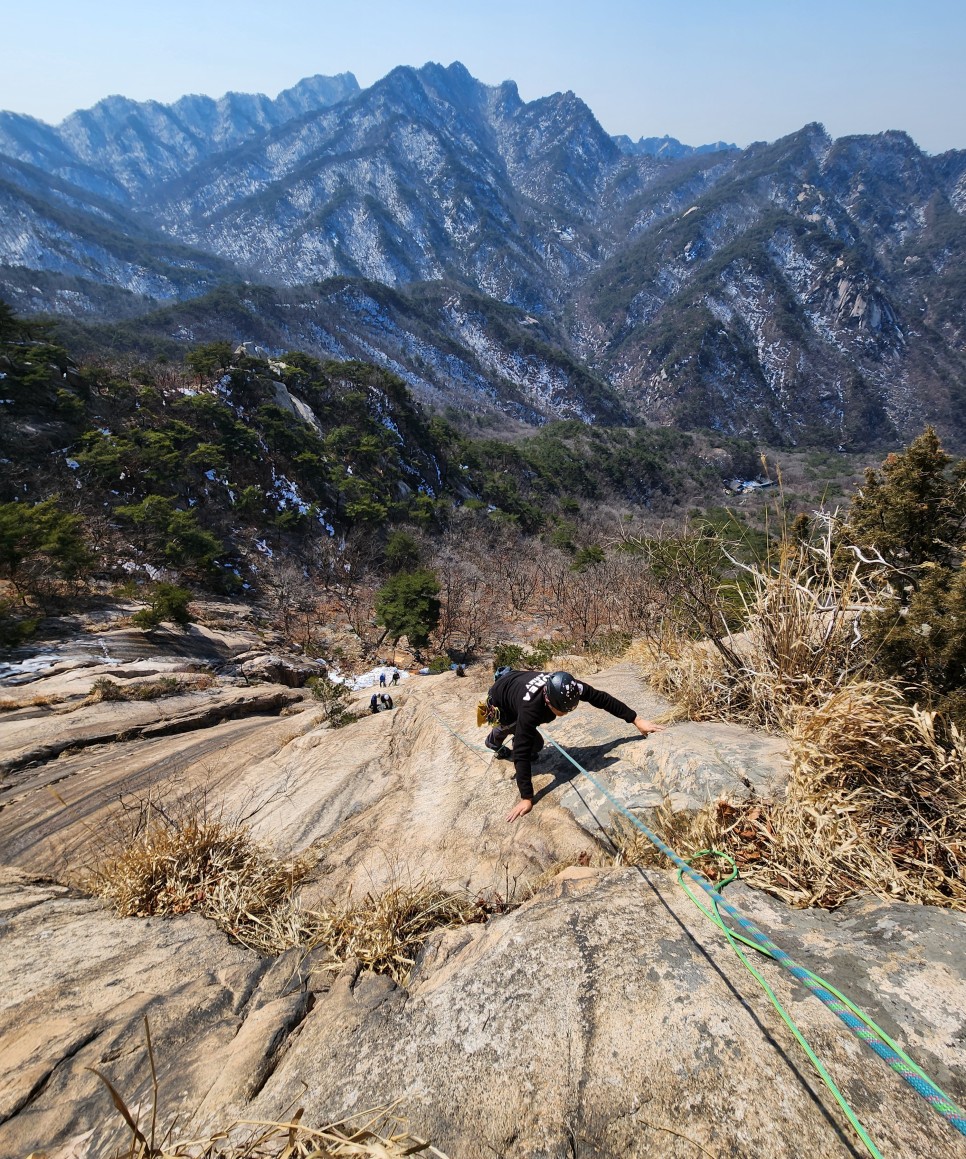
(802, 288)
(451, 85)
(136, 144)
(666, 147)
(320, 89)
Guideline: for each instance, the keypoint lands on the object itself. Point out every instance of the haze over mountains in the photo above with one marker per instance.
(510, 255)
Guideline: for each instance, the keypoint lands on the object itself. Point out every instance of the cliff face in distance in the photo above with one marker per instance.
(803, 291)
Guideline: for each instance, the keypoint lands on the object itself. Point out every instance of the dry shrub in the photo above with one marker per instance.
(385, 931)
(877, 796)
(167, 862)
(694, 678)
(876, 803)
(800, 644)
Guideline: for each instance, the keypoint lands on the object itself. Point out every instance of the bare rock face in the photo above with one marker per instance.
(78, 984)
(605, 1015)
(602, 1017)
(32, 739)
(275, 669)
(685, 767)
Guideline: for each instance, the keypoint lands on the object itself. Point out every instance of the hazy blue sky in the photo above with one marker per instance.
(701, 70)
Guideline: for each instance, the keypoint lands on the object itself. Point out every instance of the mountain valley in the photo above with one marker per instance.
(502, 254)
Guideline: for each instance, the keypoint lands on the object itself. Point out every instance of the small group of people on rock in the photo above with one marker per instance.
(394, 678)
(380, 700)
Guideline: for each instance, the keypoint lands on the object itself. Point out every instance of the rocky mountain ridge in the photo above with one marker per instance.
(667, 146)
(121, 147)
(804, 291)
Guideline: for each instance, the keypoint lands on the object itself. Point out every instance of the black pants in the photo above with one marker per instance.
(496, 736)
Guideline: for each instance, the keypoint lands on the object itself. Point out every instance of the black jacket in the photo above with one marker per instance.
(519, 697)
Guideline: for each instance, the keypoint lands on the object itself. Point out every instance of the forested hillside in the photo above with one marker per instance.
(232, 468)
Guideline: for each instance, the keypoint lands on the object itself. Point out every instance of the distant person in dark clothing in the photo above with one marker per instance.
(395, 675)
(385, 700)
(460, 670)
(518, 702)
(374, 703)
(382, 680)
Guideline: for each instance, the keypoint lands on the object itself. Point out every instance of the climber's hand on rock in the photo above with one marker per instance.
(645, 726)
(520, 810)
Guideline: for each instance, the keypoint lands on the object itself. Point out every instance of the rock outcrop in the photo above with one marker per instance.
(602, 1016)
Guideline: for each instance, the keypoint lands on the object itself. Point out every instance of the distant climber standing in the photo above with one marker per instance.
(518, 702)
(395, 675)
(374, 702)
(382, 680)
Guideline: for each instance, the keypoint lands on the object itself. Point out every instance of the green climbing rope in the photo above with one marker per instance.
(857, 1021)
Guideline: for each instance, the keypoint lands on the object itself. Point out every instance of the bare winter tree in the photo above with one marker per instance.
(292, 595)
(347, 570)
(467, 603)
(515, 568)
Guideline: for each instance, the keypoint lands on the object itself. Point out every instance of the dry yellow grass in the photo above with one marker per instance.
(384, 931)
(176, 864)
(876, 801)
(158, 861)
(8, 704)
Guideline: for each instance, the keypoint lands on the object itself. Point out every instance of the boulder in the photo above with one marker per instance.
(275, 669)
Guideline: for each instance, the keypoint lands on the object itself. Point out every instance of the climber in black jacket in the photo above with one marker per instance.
(519, 702)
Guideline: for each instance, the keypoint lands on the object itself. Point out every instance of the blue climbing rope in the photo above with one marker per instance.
(858, 1023)
(886, 1050)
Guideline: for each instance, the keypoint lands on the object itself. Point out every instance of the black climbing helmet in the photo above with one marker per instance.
(562, 691)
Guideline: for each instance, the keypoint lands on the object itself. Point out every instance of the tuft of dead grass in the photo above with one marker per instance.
(165, 862)
(8, 704)
(876, 803)
(176, 864)
(110, 690)
(585, 859)
(385, 931)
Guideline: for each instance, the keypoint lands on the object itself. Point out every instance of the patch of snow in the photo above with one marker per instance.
(370, 679)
